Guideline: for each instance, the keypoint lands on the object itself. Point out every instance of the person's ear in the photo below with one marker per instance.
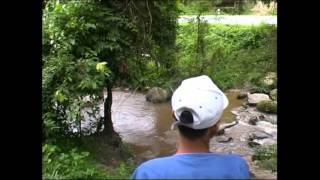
(174, 117)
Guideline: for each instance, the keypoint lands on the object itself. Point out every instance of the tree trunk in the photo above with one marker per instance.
(198, 35)
(200, 43)
(108, 127)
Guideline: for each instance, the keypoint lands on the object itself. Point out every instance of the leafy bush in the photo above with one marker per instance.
(86, 46)
(234, 54)
(72, 164)
(266, 157)
(125, 170)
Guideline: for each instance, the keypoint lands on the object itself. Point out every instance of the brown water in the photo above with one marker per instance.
(146, 126)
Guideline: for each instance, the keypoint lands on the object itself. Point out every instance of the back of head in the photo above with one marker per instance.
(197, 105)
(187, 118)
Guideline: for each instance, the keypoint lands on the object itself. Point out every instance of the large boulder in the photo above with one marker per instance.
(271, 79)
(157, 95)
(274, 94)
(267, 106)
(255, 98)
(267, 127)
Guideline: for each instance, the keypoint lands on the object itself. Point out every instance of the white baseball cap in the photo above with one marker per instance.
(200, 96)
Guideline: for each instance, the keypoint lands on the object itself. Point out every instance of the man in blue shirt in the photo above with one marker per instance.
(197, 106)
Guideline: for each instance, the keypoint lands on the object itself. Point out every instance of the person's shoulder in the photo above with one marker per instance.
(237, 163)
(157, 161)
(231, 159)
(235, 158)
(229, 156)
(238, 158)
(150, 169)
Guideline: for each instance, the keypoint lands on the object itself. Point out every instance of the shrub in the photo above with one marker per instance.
(58, 164)
(61, 163)
(234, 54)
(266, 157)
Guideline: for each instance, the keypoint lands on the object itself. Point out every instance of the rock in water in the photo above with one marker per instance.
(274, 94)
(267, 127)
(253, 120)
(223, 139)
(253, 144)
(242, 95)
(220, 132)
(258, 135)
(157, 95)
(265, 142)
(255, 98)
(267, 106)
(227, 125)
(271, 79)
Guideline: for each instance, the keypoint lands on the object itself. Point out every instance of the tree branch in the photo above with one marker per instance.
(150, 24)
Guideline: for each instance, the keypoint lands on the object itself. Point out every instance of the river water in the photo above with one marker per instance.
(146, 126)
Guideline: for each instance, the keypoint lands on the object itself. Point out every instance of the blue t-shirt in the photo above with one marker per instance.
(194, 166)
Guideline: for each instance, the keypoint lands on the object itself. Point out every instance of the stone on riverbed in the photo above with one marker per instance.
(224, 126)
(265, 142)
(273, 94)
(267, 127)
(258, 135)
(271, 79)
(253, 144)
(255, 98)
(253, 120)
(223, 139)
(267, 106)
(157, 95)
(220, 132)
(242, 95)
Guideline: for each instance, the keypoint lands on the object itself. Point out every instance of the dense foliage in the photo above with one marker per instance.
(266, 157)
(228, 7)
(232, 54)
(73, 164)
(89, 45)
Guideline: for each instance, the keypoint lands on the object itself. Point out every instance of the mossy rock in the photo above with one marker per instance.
(267, 107)
(271, 79)
(242, 95)
(157, 95)
(274, 94)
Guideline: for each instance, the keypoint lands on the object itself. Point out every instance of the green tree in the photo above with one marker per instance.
(79, 35)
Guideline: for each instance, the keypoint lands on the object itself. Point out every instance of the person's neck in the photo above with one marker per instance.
(193, 146)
